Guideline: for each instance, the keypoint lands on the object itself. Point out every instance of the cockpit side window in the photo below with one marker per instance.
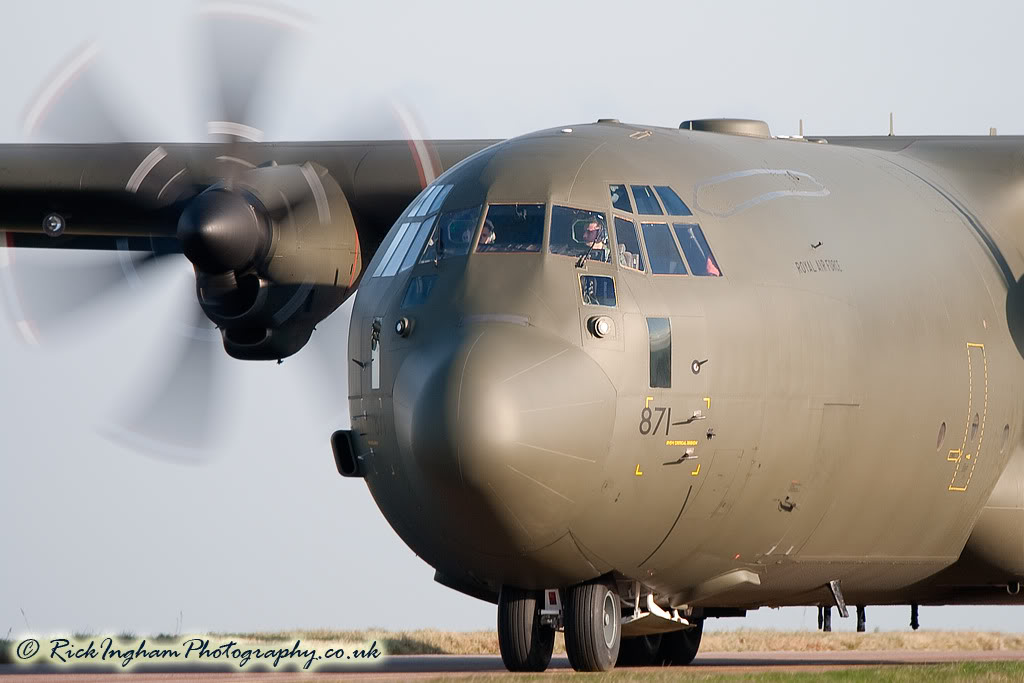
(673, 204)
(662, 252)
(620, 198)
(627, 245)
(579, 233)
(452, 235)
(512, 228)
(646, 202)
(698, 253)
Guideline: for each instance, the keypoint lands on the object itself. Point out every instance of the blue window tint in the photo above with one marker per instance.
(627, 245)
(403, 248)
(402, 229)
(673, 204)
(659, 331)
(415, 206)
(597, 290)
(662, 252)
(512, 228)
(417, 244)
(578, 232)
(646, 202)
(620, 198)
(439, 199)
(418, 291)
(424, 206)
(698, 253)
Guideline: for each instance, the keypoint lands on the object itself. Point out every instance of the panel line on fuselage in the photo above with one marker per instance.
(994, 251)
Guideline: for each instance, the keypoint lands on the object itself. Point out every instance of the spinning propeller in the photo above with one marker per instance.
(215, 207)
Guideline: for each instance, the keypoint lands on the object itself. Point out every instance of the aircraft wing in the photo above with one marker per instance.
(111, 196)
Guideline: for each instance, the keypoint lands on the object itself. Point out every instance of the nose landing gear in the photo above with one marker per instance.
(525, 642)
(593, 626)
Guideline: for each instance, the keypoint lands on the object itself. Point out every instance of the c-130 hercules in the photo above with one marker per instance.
(619, 379)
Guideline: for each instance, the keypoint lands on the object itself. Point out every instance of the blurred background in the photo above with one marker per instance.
(256, 531)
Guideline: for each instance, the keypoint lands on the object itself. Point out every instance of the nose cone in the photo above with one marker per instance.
(508, 429)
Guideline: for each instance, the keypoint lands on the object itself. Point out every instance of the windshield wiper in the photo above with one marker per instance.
(439, 247)
(583, 257)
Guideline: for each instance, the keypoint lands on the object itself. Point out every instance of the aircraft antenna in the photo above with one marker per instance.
(891, 131)
(992, 132)
(801, 127)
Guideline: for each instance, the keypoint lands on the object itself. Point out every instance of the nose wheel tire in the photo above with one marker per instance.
(525, 643)
(678, 648)
(593, 627)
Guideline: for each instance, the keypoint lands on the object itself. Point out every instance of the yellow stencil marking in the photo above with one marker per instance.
(680, 443)
(969, 461)
(707, 400)
(638, 472)
(647, 403)
(696, 471)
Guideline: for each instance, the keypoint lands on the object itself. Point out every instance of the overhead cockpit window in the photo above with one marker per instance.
(620, 198)
(452, 235)
(698, 253)
(597, 290)
(646, 202)
(673, 204)
(579, 233)
(627, 245)
(662, 252)
(512, 228)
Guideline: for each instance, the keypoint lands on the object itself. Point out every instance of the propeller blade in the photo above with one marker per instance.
(63, 287)
(72, 106)
(241, 42)
(176, 415)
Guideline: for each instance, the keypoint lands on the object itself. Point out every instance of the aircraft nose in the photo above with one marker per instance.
(507, 429)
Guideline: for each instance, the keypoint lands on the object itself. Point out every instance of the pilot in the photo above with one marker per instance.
(487, 235)
(594, 236)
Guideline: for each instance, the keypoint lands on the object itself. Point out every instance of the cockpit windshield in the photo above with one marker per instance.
(579, 233)
(512, 228)
(452, 235)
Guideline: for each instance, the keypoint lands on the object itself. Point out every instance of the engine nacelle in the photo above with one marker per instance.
(276, 251)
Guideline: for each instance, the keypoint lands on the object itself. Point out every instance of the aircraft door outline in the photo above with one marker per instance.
(966, 457)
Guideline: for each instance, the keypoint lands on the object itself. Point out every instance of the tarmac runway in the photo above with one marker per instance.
(455, 666)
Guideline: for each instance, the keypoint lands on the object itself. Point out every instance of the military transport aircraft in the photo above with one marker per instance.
(616, 378)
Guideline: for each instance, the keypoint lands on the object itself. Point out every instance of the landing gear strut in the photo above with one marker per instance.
(593, 631)
(525, 643)
(825, 619)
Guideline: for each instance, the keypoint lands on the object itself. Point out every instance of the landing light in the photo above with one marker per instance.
(601, 326)
(403, 327)
(54, 224)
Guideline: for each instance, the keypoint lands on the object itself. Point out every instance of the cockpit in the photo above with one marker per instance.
(644, 229)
